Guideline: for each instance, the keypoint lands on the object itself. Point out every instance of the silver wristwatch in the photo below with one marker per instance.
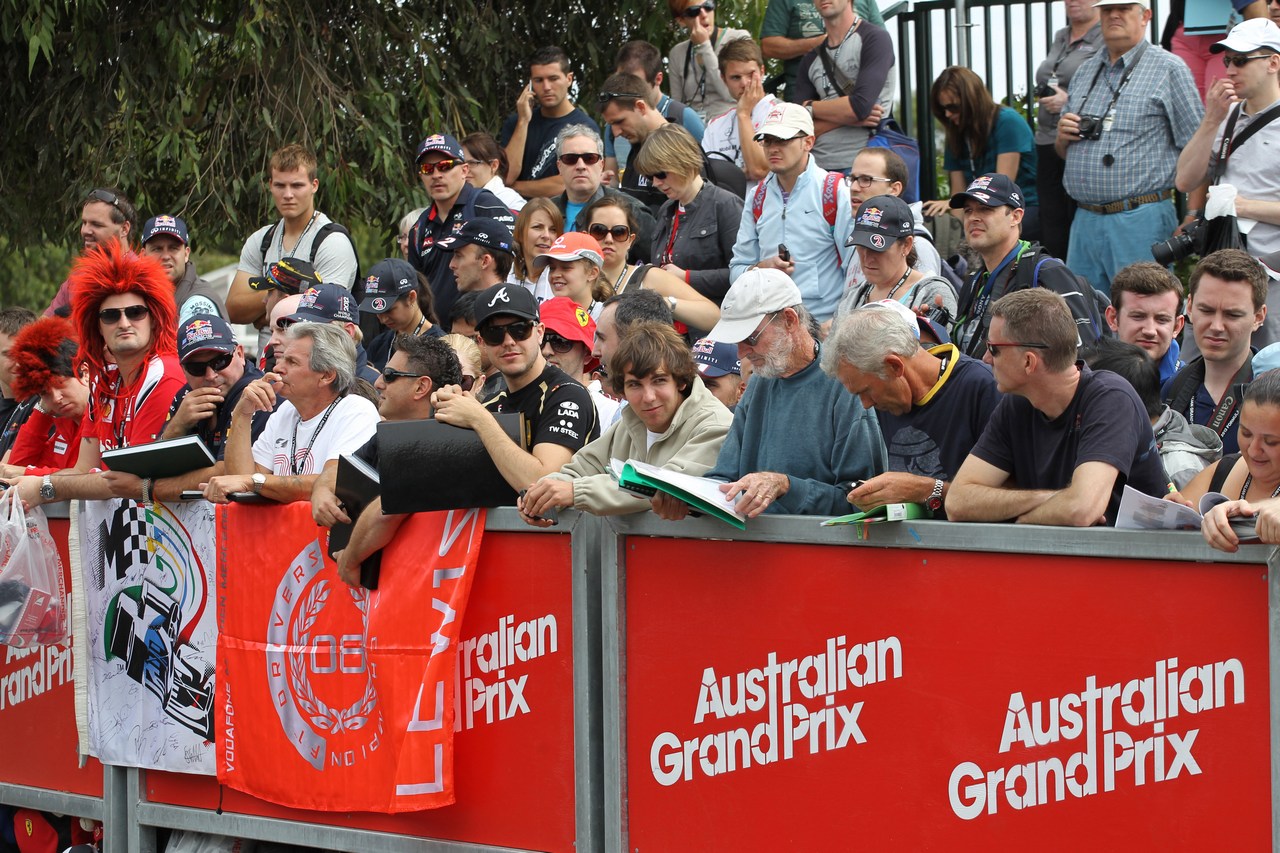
(46, 488)
(257, 482)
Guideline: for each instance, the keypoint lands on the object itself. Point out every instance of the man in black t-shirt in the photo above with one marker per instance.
(1063, 443)
(559, 416)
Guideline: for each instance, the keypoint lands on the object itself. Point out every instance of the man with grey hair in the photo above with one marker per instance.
(798, 442)
(319, 420)
(932, 404)
(580, 158)
(1065, 441)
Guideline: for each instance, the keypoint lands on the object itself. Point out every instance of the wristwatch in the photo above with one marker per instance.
(934, 502)
(257, 482)
(671, 300)
(46, 488)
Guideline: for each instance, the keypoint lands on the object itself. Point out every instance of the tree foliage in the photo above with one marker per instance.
(180, 105)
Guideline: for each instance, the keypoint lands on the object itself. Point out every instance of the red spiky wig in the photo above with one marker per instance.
(42, 353)
(111, 269)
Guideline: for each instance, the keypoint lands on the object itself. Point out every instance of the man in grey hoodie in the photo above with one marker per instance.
(1185, 448)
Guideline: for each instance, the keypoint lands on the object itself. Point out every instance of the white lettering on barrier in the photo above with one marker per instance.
(1095, 713)
(50, 668)
(784, 691)
(481, 701)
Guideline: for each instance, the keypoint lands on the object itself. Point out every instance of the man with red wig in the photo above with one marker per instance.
(123, 312)
(42, 357)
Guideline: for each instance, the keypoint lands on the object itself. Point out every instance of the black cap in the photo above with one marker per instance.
(880, 222)
(512, 299)
(992, 189)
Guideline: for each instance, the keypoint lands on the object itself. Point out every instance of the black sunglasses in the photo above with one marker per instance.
(559, 345)
(590, 158)
(659, 176)
(467, 383)
(1242, 61)
(133, 312)
(198, 368)
(105, 197)
(994, 347)
(494, 335)
(949, 108)
(605, 97)
(390, 374)
(618, 232)
(695, 11)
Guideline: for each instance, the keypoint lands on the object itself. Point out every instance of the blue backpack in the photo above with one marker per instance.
(888, 134)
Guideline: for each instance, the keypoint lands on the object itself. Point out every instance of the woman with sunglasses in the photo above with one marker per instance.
(698, 224)
(536, 228)
(611, 221)
(983, 137)
(468, 359)
(573, 269)
(488, 162)
(671, 420)
(884, 232)
(568, 336)
(694, 64)
(42, 356)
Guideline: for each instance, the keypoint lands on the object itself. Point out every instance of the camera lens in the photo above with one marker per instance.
(1172, 250)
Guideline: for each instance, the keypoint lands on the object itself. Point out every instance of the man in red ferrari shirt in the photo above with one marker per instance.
(123, 312)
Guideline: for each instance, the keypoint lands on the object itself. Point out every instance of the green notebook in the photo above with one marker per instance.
(699, 492)
(888, 512)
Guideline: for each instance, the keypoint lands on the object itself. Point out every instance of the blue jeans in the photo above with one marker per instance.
(1102, 244)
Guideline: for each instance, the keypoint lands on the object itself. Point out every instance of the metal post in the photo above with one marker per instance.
(962, 40)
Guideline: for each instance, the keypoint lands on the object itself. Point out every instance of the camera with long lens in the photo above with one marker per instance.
(1044, 90)
(1190, 242)
(1090, 127)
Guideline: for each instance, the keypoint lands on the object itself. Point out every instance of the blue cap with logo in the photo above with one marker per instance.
(388, 280)
(166, 224)
(992, 189)
(716, 359)
(442, 142)
(205, 332)
(326, 303)
(489, 233)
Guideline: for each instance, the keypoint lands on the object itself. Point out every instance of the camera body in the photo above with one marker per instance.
(1091, 127)
(1190, 242)
(1044, 90)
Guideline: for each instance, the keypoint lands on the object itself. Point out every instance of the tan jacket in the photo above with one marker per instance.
(690, 447)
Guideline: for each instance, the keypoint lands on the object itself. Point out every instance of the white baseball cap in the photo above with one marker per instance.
(1250, 35)
(786, 121)
(755, 295)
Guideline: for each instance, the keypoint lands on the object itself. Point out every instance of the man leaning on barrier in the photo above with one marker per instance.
(122, 308)
(319, 420)
(932, 404)
(1064, 442)
(418, 367)
(798, 441)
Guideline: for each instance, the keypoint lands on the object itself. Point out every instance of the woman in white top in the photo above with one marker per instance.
(488, 164)
(693, 66)
(536, 228)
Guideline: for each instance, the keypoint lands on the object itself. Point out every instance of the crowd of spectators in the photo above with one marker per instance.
(727, 282)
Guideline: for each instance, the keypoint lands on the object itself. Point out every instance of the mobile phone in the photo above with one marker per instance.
(783, 253)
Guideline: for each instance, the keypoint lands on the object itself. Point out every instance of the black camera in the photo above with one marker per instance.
(1090, 127)
(1190, 242)
(1044, 90)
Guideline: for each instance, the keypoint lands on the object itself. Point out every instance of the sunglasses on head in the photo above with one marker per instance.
(617, 232)
(133, 312)
(993, 347)
(695, 11)
(558, 345)
(1242, 61)
(198, 368)
(494, 335)
(590, 158)
(440, 166)
(105, 197)
(390, 374)
(605, 97)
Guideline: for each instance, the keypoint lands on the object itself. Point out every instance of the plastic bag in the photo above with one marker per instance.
(33, 597)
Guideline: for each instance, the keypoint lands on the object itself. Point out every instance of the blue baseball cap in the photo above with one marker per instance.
(326, 303)
(716, 359)
(442, 142)
(166, 224)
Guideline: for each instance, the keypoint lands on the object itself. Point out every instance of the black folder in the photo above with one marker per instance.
(159, 459)
(428, 465)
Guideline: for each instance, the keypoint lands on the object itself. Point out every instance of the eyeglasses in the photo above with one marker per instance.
(494, 335)
(111, 316)
(694, 11)
(467, 383)
(754, 338)
(105, 197)
(950, 108)
(865, 181)
(658, 176)
(993, 347)
(617, 232)
(558, 345)
(768, 141)
(473, 162)
(390, 374)
(198, 368)
(590, 158)
(440, 166)
(1242, 61)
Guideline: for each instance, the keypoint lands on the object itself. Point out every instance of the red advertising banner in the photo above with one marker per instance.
(906, 700)
(514, 718)
(37, 711)
(337, 698)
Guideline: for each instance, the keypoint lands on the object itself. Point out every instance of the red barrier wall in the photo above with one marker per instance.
(919, 756)
(37, 711)
(514, 777)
